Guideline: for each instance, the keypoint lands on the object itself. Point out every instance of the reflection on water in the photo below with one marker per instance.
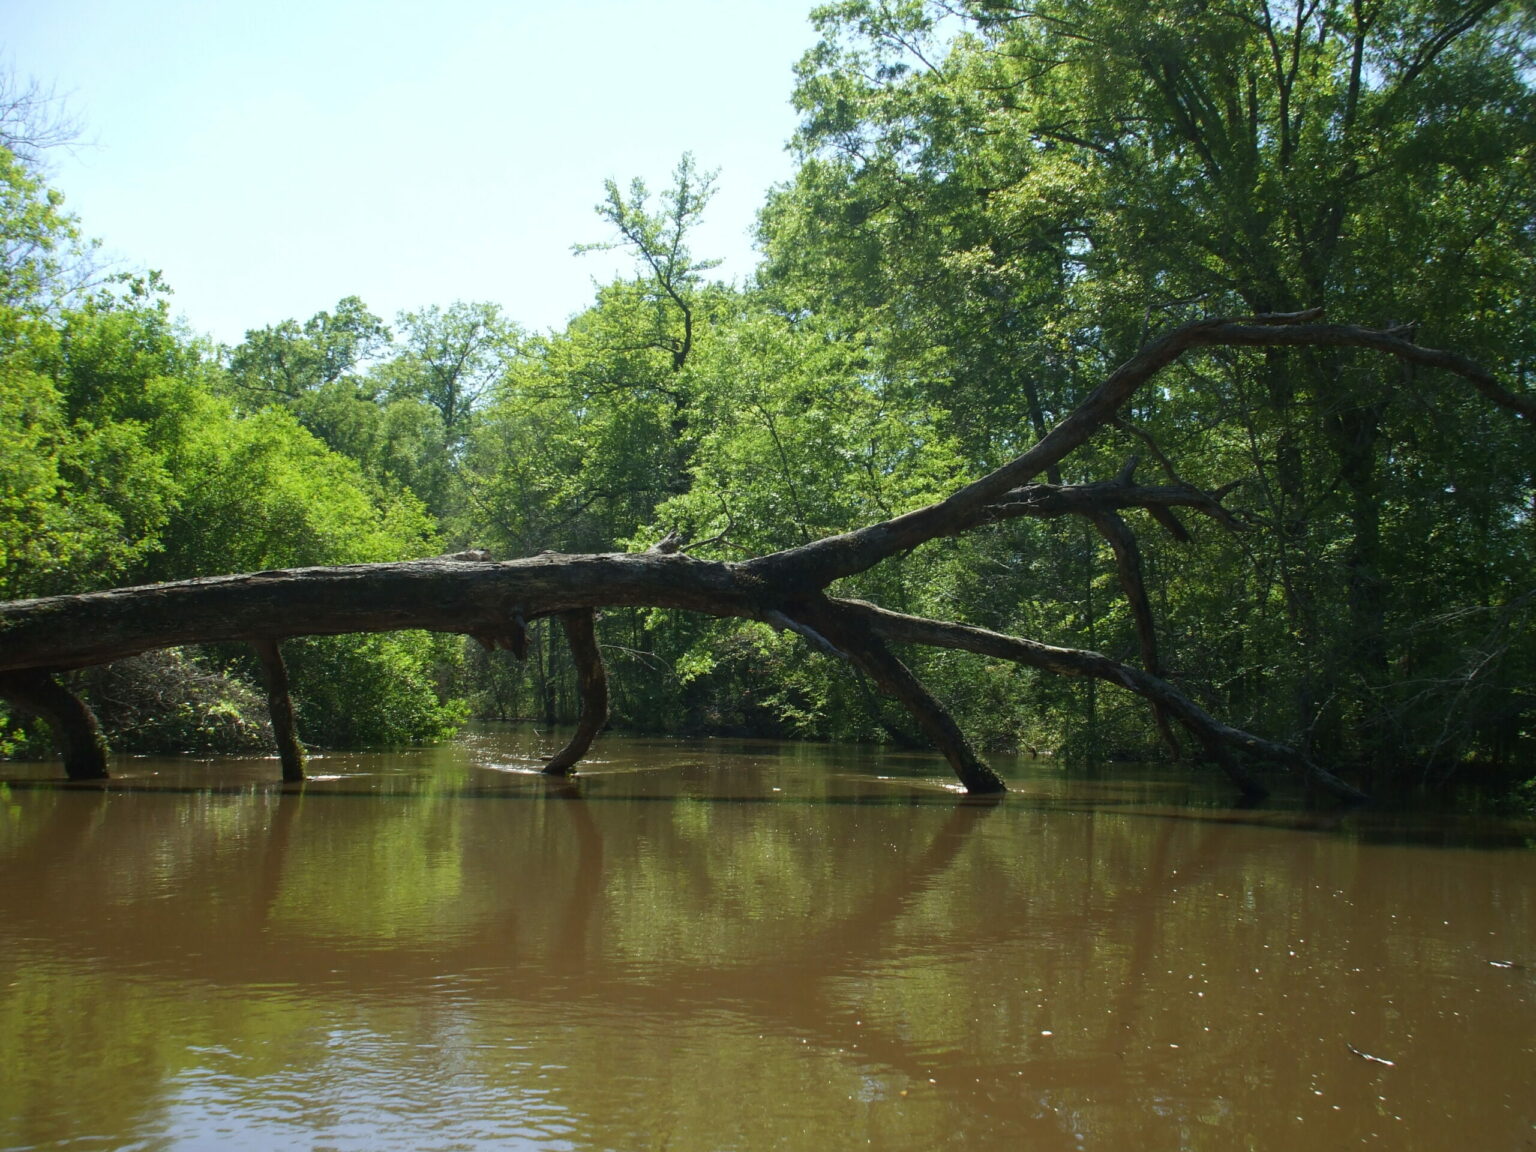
(711, 945)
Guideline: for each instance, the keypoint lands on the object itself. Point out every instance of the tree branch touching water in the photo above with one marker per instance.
(495, 600)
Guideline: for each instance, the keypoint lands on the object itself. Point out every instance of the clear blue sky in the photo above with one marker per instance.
(270, 158)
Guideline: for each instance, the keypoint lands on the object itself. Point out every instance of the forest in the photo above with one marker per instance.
(994, 208)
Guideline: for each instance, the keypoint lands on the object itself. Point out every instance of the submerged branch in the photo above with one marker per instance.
(851, 633)
(83, 747)
(285, 729)
(898, 627)
(581, 633)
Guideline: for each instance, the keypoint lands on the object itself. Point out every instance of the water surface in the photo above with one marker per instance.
(727, 945)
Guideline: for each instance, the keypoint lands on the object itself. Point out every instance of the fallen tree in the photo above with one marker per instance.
(494, 601)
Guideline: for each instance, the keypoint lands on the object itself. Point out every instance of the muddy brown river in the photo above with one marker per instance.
(712, 945)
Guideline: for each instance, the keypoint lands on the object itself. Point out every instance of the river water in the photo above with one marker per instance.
(711, 945)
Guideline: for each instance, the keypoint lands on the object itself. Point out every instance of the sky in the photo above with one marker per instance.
(271, 158)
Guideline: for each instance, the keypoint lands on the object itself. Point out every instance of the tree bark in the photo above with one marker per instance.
(849, 632)
(438, 595)
(1077, 662)
(280, 705)
(79, 737)
(580, 631)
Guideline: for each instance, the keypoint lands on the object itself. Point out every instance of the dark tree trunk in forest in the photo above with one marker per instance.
(1362, 651)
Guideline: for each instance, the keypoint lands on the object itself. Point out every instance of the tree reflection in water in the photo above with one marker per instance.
(694, 948)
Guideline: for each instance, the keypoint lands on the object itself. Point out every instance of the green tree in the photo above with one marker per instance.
(426, 396)
(121, 462)
(346, 381)
(43, 258)
(589, 429)
(450, 359)
(669, 275)
(1016, 196)
(282, 362)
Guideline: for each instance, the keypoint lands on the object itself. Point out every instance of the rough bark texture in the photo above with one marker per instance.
(850, 632)
(1077, 662)
(280, 704)
(81, 744)
(495, 601)
(438, 595)
(581, 633)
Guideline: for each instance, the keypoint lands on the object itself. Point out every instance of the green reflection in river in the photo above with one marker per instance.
(706, 946)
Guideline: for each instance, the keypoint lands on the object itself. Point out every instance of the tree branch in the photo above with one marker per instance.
(580, 632)
(819, 563)
(472, 597)
(81, 743)
(868, 652)
(896, 626)
(1128, 566)
(1110, 497)
(280, 705)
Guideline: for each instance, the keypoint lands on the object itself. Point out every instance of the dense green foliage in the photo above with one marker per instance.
(1018, 196)
(124, 460)
(993, 206)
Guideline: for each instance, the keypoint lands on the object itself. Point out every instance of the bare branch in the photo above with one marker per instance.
(1077, 662)
(868, 652)
(1043, 501)
(580, 632)
(290, 751)
(1128, 566)
(782, 623)
(33, 119)
(84, 748)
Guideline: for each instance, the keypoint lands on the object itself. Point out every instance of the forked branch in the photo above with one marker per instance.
(852, 635)
(819, 563)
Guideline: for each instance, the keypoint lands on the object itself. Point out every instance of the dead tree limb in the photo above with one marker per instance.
(441, 596)
(285, 728)
(1133, 584)
(581, 633)
(1043, 501)
(74, 726)
(817, 564)
(896, 626)
(851, 634)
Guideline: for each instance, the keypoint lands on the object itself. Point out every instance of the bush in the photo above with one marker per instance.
(371, 690)
(174, 702)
